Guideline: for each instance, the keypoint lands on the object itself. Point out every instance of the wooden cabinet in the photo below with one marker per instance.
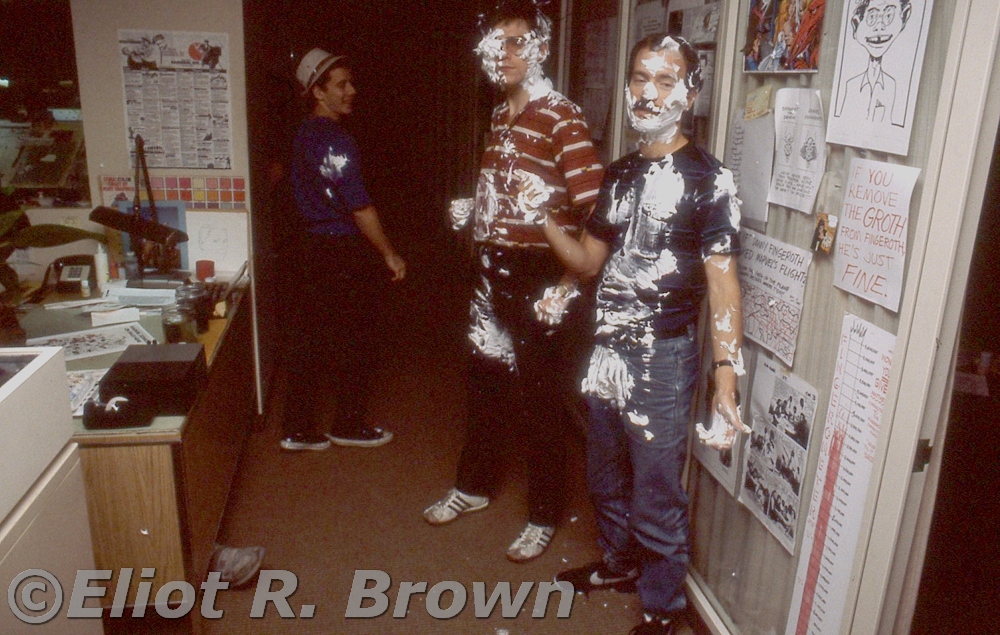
(157, 495)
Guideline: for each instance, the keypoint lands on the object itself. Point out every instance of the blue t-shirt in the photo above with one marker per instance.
(326, 175)
(661, 218)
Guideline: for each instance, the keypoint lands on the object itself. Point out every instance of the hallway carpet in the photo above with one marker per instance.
(326, 516)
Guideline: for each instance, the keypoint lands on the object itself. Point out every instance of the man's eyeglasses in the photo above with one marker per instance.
(885, 15)
(514, 43)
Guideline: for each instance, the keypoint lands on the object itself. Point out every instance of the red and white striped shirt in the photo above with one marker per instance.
(551, 139)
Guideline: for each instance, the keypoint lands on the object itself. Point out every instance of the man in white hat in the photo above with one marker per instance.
(343, 261)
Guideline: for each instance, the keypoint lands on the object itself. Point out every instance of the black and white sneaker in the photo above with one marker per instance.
(654, 625)
(596, 576)
(304, 441)
(453, 505)
(532, 542)
(365, 438)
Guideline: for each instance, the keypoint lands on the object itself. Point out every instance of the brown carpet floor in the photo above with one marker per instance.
(326, 515)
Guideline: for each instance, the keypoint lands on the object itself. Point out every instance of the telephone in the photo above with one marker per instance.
(69, 271)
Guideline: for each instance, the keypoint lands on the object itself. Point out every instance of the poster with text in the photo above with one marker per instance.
(843, 472)
(750, 155)
(177, 97)
(783, 37)
(772, 282)
(878, 72)
(598, 75)
(799, 153)
(782, 411)
(870, 250)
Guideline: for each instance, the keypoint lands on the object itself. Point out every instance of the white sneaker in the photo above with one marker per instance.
(531, 543)
(453, 505)
(236, 565)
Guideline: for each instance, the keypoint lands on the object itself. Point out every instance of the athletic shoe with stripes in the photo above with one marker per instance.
(531, 543)
(453, 505)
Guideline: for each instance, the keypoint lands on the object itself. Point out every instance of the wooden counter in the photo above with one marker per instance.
(156, 495)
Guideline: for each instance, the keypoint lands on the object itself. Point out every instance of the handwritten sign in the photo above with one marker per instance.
(871, 242)
(772, 282)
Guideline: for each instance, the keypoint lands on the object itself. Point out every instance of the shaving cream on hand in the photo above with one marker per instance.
(720, 436)
(459, 212)
(551, 308)
(532, 194)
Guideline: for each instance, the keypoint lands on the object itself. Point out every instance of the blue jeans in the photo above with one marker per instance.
(634, 471)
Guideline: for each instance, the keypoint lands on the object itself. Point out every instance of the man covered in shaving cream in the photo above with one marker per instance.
(539, 166)
(664, 235)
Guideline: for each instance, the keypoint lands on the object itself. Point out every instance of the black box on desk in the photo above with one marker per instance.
(165, 378)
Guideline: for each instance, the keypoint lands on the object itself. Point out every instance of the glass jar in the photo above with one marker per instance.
(194, 298)
(178, 325)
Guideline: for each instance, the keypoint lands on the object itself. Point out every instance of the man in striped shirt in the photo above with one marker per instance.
(526, 335)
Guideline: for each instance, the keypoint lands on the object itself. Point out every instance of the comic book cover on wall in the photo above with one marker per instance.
(783, 36)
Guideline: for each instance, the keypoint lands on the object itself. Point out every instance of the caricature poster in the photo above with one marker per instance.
(878, 71)
(783, 36)
(177, 97)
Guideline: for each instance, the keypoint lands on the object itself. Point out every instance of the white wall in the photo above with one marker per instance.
(95, 31)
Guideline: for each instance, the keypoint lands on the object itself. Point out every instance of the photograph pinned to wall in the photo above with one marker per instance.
(703, 102)
(878, 73)
(782, 411)
(823, 235)
(783, 36)
(874, 220)
(772, 284)
(799, 153)
(700, 24)
(177, 97)
(750, 157)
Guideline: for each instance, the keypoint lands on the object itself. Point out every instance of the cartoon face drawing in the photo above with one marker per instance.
(877, 24)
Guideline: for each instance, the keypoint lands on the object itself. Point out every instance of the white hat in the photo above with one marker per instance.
(313, 65)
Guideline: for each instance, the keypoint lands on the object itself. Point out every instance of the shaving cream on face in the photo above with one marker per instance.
(662, 124)
(533, 52)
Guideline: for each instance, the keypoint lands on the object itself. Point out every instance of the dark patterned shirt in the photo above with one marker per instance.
(662, 218)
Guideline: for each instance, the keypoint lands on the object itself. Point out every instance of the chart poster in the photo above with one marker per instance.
(782, 411)
(871, 241)
(799, 151)
(875, 83)
(177, 97)
(773, 282)
(840, 486)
